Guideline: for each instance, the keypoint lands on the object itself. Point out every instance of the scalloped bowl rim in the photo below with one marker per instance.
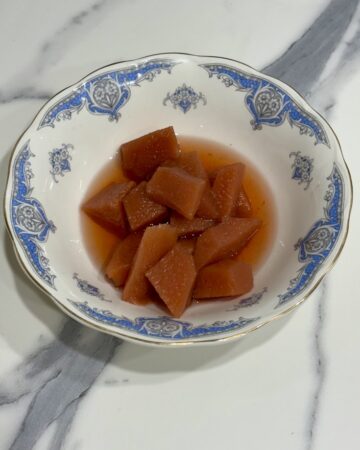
(326, 266)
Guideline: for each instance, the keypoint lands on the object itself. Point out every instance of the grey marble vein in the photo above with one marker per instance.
(324, 96)
(64, 425)
(301, 66)
(52, 50)
(23, 95)
(54, 47)
(59, 375)
(353, 47)
(304, 60)
(320, 366)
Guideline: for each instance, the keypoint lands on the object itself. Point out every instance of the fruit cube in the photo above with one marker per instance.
(175, 188)
(192, 227)
(142, 156)
(187, 244)
(208, 206)
(106, 207)
(173, 278)
(119, 264)
(141, 210)
(243, 206)
(192, 164)
(227, 186)
(226, 278)
(224, 240)
(155, 243)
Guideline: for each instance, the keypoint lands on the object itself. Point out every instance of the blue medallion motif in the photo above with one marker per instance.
(105, 94)
(162, 327)
(268, 103)
(28, 218)
(320, 240)
(302, 168)
(185, 98)
(60, 161)
(249, 301)
(89, 289)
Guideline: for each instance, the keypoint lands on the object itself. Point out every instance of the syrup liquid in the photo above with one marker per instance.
(100, 243)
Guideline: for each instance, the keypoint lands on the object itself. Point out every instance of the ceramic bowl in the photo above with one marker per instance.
(263, 119)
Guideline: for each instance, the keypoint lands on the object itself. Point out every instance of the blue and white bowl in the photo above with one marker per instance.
(263, 119)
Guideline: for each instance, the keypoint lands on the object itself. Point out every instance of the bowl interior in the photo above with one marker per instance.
(262, 120)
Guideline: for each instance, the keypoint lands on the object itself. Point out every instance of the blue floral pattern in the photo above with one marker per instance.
(105, 94)
(60, 161)
(89, 289)
(184, 98)
(161, 327)
(302, 168)
(320, 240)
(28, 217)
(248, 301)
(268, 103)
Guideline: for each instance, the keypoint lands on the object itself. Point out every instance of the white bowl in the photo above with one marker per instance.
(263, 119)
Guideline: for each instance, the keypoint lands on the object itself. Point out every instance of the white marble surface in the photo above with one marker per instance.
(291, 385)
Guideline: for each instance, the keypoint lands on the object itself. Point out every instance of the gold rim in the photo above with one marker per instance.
(118, 333)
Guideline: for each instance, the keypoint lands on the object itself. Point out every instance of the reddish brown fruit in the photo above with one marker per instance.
(141, 210)
(188, 228)
(142, 156)
(155, 243)
(213, 174)
(192, 164)
(188, 245)
(226, 278)
(224, 240)
(173, 278)
(106, 207)
(118, 267)
(226, 188)
(243, 207)
(175, 188)
(208, 207)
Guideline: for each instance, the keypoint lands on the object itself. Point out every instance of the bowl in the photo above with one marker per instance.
(261, 118)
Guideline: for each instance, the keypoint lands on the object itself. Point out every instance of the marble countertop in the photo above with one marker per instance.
(293, 384)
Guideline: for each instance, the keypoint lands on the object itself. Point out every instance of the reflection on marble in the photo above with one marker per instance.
(62, 382)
